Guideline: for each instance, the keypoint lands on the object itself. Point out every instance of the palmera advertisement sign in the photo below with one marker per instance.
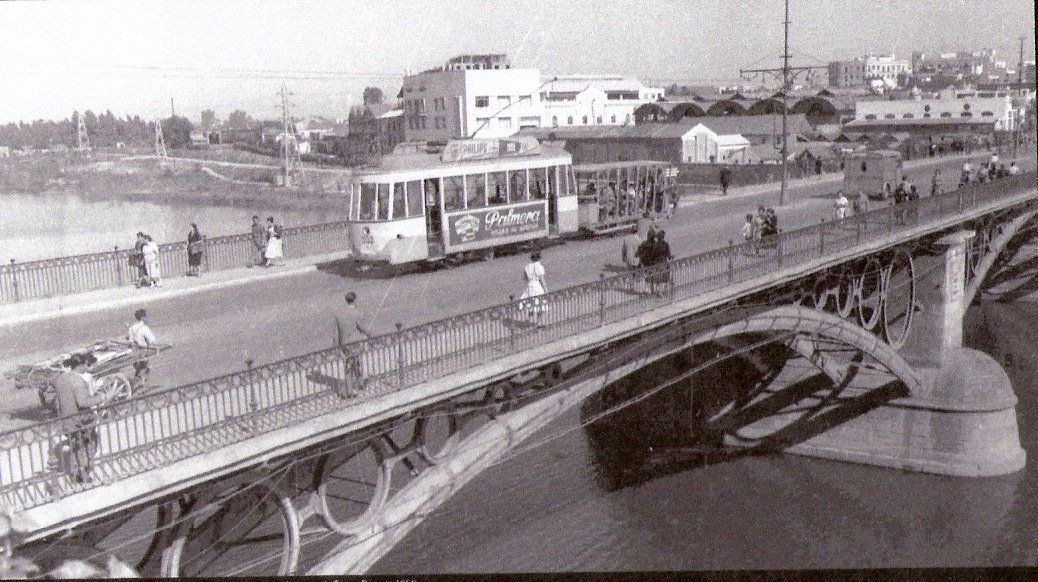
(496, 225)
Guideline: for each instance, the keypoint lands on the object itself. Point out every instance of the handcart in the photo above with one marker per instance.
(114, 360)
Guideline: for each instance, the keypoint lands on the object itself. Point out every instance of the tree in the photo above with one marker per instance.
(238, 119)
(176, 131)
(208, 120)
(373, 96)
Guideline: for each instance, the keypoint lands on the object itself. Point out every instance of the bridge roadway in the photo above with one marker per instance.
(137, 481)
(217, 330)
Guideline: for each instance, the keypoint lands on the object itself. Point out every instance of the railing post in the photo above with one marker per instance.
(778, 247)
(14, 282)
(205, 253)
(821, 237)
(974, 189)
(118, 267)
(511, 328)
(399, 357)
(601, 299)
(960, 198)
(253, 399)
(857, 229)
(731, 261)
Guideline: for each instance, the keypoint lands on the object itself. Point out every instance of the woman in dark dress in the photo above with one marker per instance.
(194, 250)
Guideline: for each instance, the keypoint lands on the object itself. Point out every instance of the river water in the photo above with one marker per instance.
(34, 227)
(559, 507)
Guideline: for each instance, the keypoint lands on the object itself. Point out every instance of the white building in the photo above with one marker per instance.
(967, 108)
(702, 145)
(594, 100)
(470, 96)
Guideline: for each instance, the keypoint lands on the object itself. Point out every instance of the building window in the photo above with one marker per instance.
(627, 119)
(908, 116)
(987, 114)
(946, 114)
(440, 104)
(504, 122)
(421, 105)
(422, 119)
(554, 120)
(926, 115)
(482, 122)
(504, 101)
(889, 116)
(524, 101)
(482, 101)
(870, 116)
(569, 120)
(612, 119)
(598, 120)
(585, 120)
(529, 121)
(966, 114)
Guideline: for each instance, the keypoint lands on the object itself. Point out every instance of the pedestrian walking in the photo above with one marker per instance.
(534, 274)
(841, 204)
(151, 261)
(139, 335)
(725, 178)
(347, 325)
(137, 261)
(195, 249)
(259, 242)
(274, 251)
(935, 183)
(75, 402)
(748, 229)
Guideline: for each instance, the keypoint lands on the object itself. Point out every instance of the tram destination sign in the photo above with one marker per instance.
(496, 225)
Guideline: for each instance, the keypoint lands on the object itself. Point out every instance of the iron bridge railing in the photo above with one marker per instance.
(80, 273)
(156, 429)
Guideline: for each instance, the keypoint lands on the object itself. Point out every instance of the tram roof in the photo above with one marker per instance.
(399, 163)
(615, 165)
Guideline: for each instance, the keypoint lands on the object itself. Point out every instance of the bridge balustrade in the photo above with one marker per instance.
(153, 430)
(80, 273)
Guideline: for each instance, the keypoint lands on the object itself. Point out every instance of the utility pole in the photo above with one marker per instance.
(290, 156)
(160, 142)
(1020, 69)
(82, 137)
(788, 73)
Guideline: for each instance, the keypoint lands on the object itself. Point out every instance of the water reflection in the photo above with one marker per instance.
(36, 227)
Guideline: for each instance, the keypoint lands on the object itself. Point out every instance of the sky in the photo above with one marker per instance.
(151, 58)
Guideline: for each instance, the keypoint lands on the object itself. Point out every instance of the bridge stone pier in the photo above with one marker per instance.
(962, 419)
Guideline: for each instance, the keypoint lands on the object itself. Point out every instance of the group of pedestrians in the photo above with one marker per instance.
(759, 226)
(993, 169)
(267, 245)
(654, 253)
(76, 400)
(145, 259)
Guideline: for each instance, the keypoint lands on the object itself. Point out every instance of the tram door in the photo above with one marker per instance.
(433, 216)
(553, 199)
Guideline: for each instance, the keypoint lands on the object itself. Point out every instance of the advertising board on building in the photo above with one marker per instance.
(483, 227)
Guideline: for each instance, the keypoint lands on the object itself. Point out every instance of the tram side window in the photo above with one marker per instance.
(414, 198)
(497, 184)
(399, 202)
(476, 191)
(517, 185)
(383, 201)
(367, 201)
(453, 193)
(538, 184)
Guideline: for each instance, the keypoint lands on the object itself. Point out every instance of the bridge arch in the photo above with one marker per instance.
(990, 242)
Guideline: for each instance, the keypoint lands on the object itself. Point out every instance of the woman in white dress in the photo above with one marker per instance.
(151, 261)
(275, 249)
(535, 285)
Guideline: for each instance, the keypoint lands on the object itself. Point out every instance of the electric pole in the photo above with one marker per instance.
(788, 73)
(82, 137)
(160, 142)
(290, 154)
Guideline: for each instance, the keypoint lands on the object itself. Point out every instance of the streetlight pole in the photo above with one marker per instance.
(785, 101)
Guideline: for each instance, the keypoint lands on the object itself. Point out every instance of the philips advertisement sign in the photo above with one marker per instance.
(496, 225)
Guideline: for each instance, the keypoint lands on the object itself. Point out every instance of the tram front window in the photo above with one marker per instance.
(414, 198)
(367, 201)
(399, 201)
(383, 201)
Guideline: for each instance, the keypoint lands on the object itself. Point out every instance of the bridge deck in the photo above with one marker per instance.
(161, 443)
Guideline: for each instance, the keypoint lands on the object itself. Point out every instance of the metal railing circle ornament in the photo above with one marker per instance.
(899, 287)
(869, 296)
(351, 523)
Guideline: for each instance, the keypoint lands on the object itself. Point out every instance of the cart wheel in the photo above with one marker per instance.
(115, 388)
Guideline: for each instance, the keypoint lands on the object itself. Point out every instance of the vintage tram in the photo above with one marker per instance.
(424, 204)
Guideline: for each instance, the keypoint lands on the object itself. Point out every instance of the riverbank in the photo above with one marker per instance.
(240, 183)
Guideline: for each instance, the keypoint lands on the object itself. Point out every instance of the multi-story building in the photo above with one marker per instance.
(470, 96)
(594, 100)
(961, 65)
(875, 71)
(953, 112)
